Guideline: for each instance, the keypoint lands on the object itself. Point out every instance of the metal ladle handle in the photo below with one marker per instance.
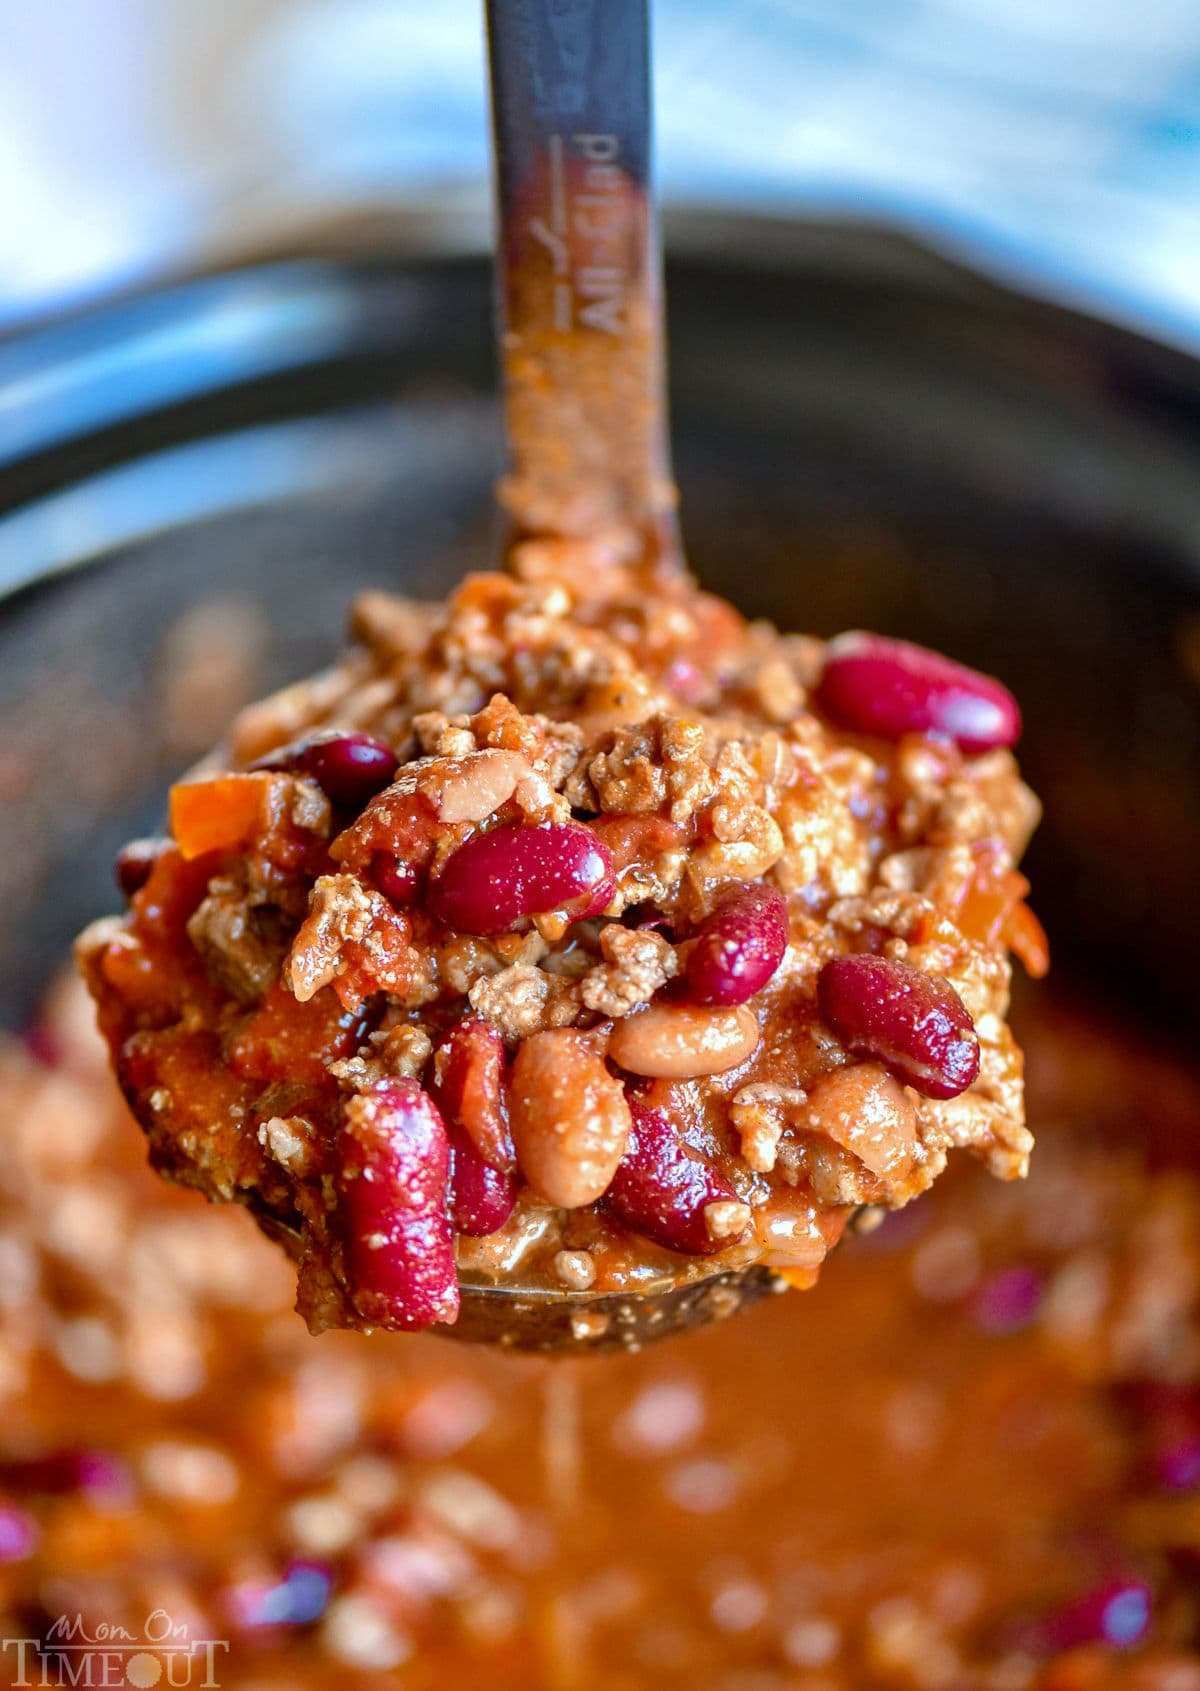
(578, 270)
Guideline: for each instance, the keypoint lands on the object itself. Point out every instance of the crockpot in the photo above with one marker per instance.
(195, 481)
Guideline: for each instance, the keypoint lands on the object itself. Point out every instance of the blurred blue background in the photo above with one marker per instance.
(1053, 142)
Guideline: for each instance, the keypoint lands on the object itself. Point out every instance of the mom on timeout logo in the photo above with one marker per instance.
(112, 1656)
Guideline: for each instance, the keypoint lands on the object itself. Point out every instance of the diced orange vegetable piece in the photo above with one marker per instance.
(1025, 935)
(220, 814)
(988, 902)
(993, 910)
(990, 894)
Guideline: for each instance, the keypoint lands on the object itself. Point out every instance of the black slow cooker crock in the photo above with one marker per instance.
(865, 435)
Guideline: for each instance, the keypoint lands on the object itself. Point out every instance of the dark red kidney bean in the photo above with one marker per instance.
(1165, 1417)
(1007, 1300)
(497, 878)
(18, 1534)
(739, 946)
(1117, 1613)
(481, 1197)
(349, 767)
(393, 1186)
(468, 1079)
(891, 687)
(913, 1023)
(134, 863)
(660, 1190)
(396, 879)
(1176, 1467)
(96, 1473)
(43, 1044)
(602, 896)
(299, 1598)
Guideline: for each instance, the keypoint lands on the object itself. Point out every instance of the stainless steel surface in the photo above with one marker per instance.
(528, 1318)
(578, 265)
(578, 280)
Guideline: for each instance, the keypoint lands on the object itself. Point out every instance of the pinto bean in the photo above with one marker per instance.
(788, 1229)
(681, 1041)
(866, 1111)
(569, 1116)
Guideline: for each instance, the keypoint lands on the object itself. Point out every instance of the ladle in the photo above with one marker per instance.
(580, 331)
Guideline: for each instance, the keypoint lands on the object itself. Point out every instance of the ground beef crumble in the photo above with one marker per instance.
(300, 932)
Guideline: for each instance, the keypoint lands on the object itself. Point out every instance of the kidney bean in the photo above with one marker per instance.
(600, 900)
(43, 1044)
(570, 1117)
(349, 767)
(468, 1077)
(661, 1191)
(96, 1473)
(682, 1041)
(914, 1024)
(1177, 1468)
(1008, 1300)
(1166, 1417)
(393, 1179)
(135, 862)
(497, 878)
(299, 1598)
(1117, 1613)
(395, 878)
(18, 1534)
(481, 1197)
(891, 687)
(739, 946)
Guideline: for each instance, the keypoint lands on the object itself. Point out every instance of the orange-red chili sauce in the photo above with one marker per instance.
(969, 1460)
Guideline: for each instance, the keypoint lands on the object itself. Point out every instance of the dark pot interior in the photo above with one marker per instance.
(901, 447)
